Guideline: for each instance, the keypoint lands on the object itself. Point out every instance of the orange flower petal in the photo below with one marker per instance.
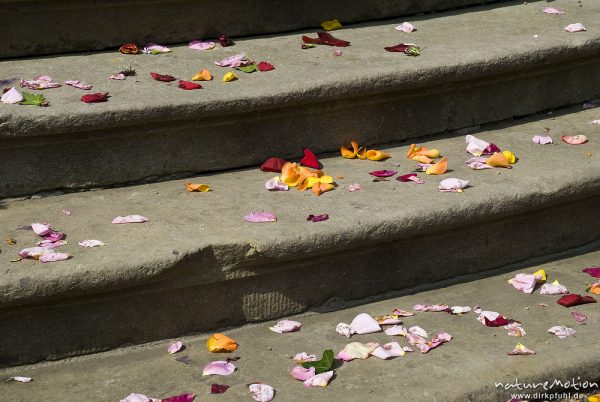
(290, 175)
(498, 160)
(422, 159)
(197, 187)
(374, 155)
(320, 188)
(346, 153)
(431, 153)
(202, 75)
(362, 153)
(439, 168)
(411, 151)
(221, 343)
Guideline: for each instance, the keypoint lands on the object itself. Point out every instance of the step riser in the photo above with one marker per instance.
(204, 142)
(262, 291)
(67, 26)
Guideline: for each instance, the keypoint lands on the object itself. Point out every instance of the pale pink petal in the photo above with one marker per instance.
(201, 45)
(218, 368)
(388, 351)
(453, 185)
(521, 350)
(475, 146)
(232, 61)
(421, 167)
(130, 219)
(11, 96)
(416, 179)
(577, 27)
(431, 307)
(553, 289)
(389, 320)
(153, 48)
(402, 313)
(524, 282)
(261, 392)
(139, 398)
(302, 374)
(574, 139)
(357, 350)
(91, 243)
(579, 317)
(275, 184)
(51, 244)
(305, 357)
(396, 330)
(344, 329)
(416, 330)
(540, 139)
(174, 348)
(515, 329)
(117, 77)
(35, 252)
(320, 380)
(78, 84)
(460, 309)
(552, 10)
(41, 228)
(53, 257)
(40, 82)
(489, 315)
(596, 122)
(355, 187)
(259, 217)
(364, 324)
(66, 212)
(478, 163)
(406, 27)
(19, 379)
(286, 326)
(562, 331)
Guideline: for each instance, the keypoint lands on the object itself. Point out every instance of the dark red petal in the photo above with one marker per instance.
(315, 41)
(188, 85)
(328, 39)
(273, 165)
(572, 299)
(180, 398)
(310, 159)
(218, 388)
(398, 48)
(383, 173)
(163, 78)
(405, 177)
(225, 41)
(317, 218)
(264, 66)
(497, 322)
(129, 48)
(491, 149)
(95, 98)
(593, 271)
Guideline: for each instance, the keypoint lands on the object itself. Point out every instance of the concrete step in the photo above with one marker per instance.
(465, 369)
(87, 25)
(177, 269)
(481, 66)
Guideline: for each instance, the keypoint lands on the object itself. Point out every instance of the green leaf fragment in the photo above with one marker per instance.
(413, 51)
(34, 100)
(250, 68)
(323, 365)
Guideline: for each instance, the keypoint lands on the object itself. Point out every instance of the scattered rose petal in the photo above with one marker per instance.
(233, 61)
(579, 317)
(388, 319)
(400, 48)
(66, 212)
(453, 185)
(229, 77)
(478, 163)
(337, 53)
(95, 98)
(554, 288)
(272, 165)
(188, 86)
(364, 324)
(78, 84)
(510, 157)
(19, 379)
(521, 349)
(344, 329)
(593, 271)
(180, 398)
(597, 122)
(331, 25)
(275, 184)
(572, 299)
(264, 66)
(218, 368)
(163, 77)
(402, 313)
(594, 288)
(40, 82)
(202, 75)
(174, 348)
(491, 149)
(51, 243)
(225, 41)
(357, 350)
(325, 38)
(34, 252)
(259, 217)
(139, 398)
(302, 374)
(197, 187)
(305, 357)
(577, 27)
(310, 159)
(552, 10)
(221, 343)
(492, 319)
(383, 173)
(91, 243)
(406, 27)
(261, 392)
(319, 380)
(355, 187)
(286, 326)
(153, 48)
(416, 330)
(53, 257)
(317, 218)
(498, 160)
(475, 146)
(543, 140)
(515, 329)
(524, 282)
(130, 219)
(574, 139)
(11, 96)
(201, 45)
(431, 307)
(117, 77)
(41, 229)
(460, 309)
(396, 330)
(410, 177)
(562, 331)
(438, 168)
(129, 48)
(218, 388)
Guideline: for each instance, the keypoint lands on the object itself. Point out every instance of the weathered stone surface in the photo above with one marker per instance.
(479, 66)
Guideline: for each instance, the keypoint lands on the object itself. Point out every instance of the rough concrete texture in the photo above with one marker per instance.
(480, 66)
(197, 248)
(465, 369)
(74, 26)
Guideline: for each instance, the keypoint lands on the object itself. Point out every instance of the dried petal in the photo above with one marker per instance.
(383, 173)
(130, 219)
(129, 48)
(261, 392)
(91, 243)
(259, 217)
(319, 380)
(78, 84)
(95, 98)
(331, 25)
(163, 77)
(218, 388)
(264, 66)
(574, 139)
(218, 368)
(221, 343)
(286, 326)
(275, 184)
(197, 187)
(521, 349)
(188, 86)
(562, 331)
(543, 140)
(573, 299)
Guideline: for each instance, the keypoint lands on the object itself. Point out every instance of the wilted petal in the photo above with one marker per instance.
(492, 319)
(475, 146)
(331, 25)
(130, 219)
(97, 97)
(579, 317)
(310, 159)
(19, 379)
(153, 48)
(197, 187)
(180, 398)
(383, 173)
(498, 160)
(554, 288)
(374, 155)
(524, 282)
(416, 330)
(201, 45)
(174, 348)
(357, 350)
(91, 243)
(261, 392)
(188, 86)
(364, 324)
(543, 140)
(460, 309)
(259, 217)
(574, 139)
(218, 368)
(344, 329)
(406, 27)
(552, 10)
(35, 252)
(264, 66)
(229, 77)
(302, 374)
(521, 349)
(317, 218)
(41, 228)
(78, 84)
(286, 326)
(11, 96)
(431, 307)
(53, 257)
(139, 398)
(562, 331)
(275, 184)
(218, 388)
(221, 343)
(573, 299)
(346, 153)
(40, 82)
(439, 168)
(319, 380)
(305, 357)
(577, 27)
(593, 271)
(453, 185)
(117, 77)
(232, 61)
(396, 330)
(515, 329)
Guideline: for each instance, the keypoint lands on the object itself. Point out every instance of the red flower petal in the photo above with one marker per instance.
(163, 78)
(401, 48)
(188, 85)
(129, 48)
(310, 159)
(314, 41)
(593, 271)
(383, 173)
(497, 322)
(325, 39)
(405, 177)
(264, 66)
(180, 398)
(573, 299)
(491, 149)
(218, 388)
(273, 165)
(95, 98)
(225, 41)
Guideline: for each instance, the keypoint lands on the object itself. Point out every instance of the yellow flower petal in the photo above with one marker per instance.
(439, 168)
(346, 153)
(320, 188)
(331, 25)
(594, 398)
(498, 160)
(541, 273)
(202, 75)
(290, 175)
(374, 155)
(229, 77)
(326, 179)
(362, 153)
(197, 187)
(221, 343)
(510, 157)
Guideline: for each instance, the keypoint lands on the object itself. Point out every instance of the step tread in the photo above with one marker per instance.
(466, 368)
(459, 46)
(207, 229)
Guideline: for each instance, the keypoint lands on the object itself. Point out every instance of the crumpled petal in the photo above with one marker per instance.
(95, 97)
(41, 229)
(460, 309)
(453, 185)
(355, 187)
(364, 324)
(524, 282)
(225, 40)
(552, 10)
(331, 25)
(388, 319)
(438, 168)
(273, 165)
(153, 48)
(320, 188)
(477, 163)
(91, 243)
(286, 326)
(579, 317)
(406, 27)
(317, 218)
(431, 307)
(202, 75)
(410, 177)
(576, 27)
(302, 374)
(491, 149)
(419, 150)
(374, 155)
(492, 319)
(51, 243)
(275, 184)
(221, 343)
(130, 219)
(554, 288)
(510, 157)
(264, 66)
(129, 48)
(197, 187)
(117, 77)
(310, 159)
(424, 345)
(402, 313)
(259, 217)
(562, 331)
(53, 257)
(261, 392)
(357, 350)
(574, 139)
(218, 368)
(319, 380)
(233, 61)
(515, 329)
(305, 357)
(594, 288)
(229, 77)
(174, 348)
(139, 398)
(188, 86)
(346, 153)
(325, 38)
(78, 84)
(344, 329)
(180, 398)
(19, 379)
(11, 96)
(35, 252)
(201, 45)
(573, 299)
(383, 173)
(475, 146)
(218, 388)
(396, 330)
(40, 82)
(593, 271)
(521, 349)
(163, 77)
(540, 139)
(416, 330)
(498, 160)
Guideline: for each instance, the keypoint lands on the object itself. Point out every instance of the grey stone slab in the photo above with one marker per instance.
(465, 369)
(196, 248)
(36, 28)
(481, 66)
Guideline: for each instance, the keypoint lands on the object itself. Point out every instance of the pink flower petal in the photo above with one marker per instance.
(355, 187)
(553, 289)
(302, 374)
(317, 218)
(78, 84)
(139, 398)
(35, 252)
(11, 96)
(574, 139)
(19, 379)
(53, 257)
(357, 350)
(478, 163)
(218, 368)
(543, 140)
(383, 173)
(406, 27)
(579, 317)
(453, 185)
(402, 313)
(51, 243)
(364, 324)
(344, 329)
(475, 146)
(232, 61)
(91, 243)
(396, 330)
(521, 350)
(117, 77)
(259, 217)
(40, 82)
(515, 329)
(130, 219)
(275, 184)
(153, 48)
(460, 309)
(180, 398)
(319, 380)
(388, 351)
(562, 331)
(416, 330)
(261, 392)
(577, 27)
(431, 307)
(593, 271)
(201, 45)
(40, 228)
(304, 357)
(552, 10)
(524, 282)
(174, 348)
(286, 326)
(492, 319)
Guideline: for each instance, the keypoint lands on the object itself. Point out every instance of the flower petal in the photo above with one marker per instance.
(576, 27)
(498, 160)
(130, 219)
(364, 324)
(453, 185)
(325, 38)
(593, 271)
(515, 329)
(431, 307)
(91, 243)
(331, 25)
(475, 146)
(317, 218)
(259, 217)
(579, 317)
(552, 10)
(129, 48)
(11, 96)
(573, 299)
(275, 184)
(439, 168)
(374, 155)
(521, 349)
(53, 257)
(319, 380)
(510, 157)
(320, 188)
(202, 75)
(543, 140)
(180, 398)
(261, 392)
(78, 84)
(562, 331)
(310, 159)
(229, 77)
(346, 153)
(303, 374)
(305, 357)
(218, 368)
(188, 86)
(286, 326)
(264, 66)
(357, 350)
(232, 61)
(163, 77)
(272, 165)
(524, 282)
(492, 319)
(139, 398)
(383, 173)
(221, 343)
(396, 330)
(198, 187)
(574, 139)
(95, 98)
(174, 348)
(554, 288)
(406, 27)
(388, 351)
(40, 82)
(218, 388)
(201, 45)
